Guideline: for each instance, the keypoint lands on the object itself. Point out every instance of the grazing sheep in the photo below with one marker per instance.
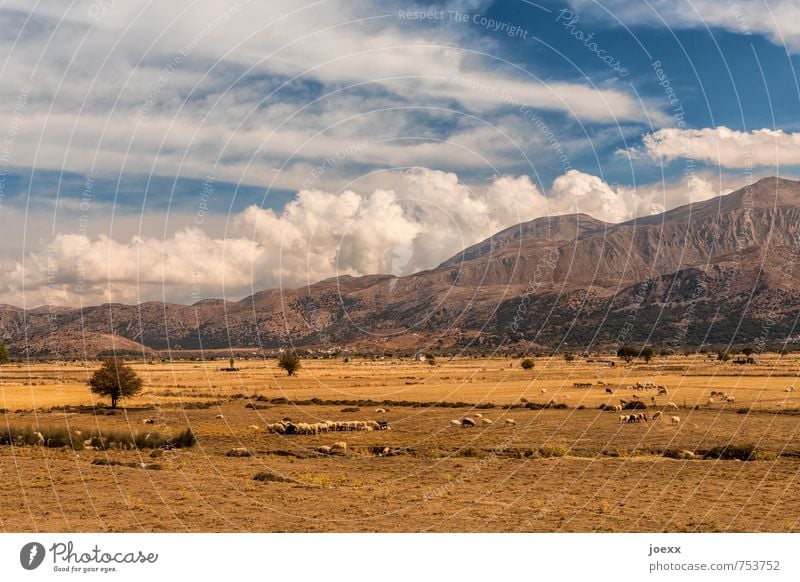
(710, 401)
(486, 421)
(478, 415)
(467, 423)
(730, 400)
(39, 438)
(662, 391)
(219, 416)
(254, 427)
(383, 425)
(657, 415)
(642, 416)
(676, 419)
(239, 452)
(672, 405)
(609, 391)
(380, 410)
(455, 423)
(510, 422)
(623, 418)
(324, 449)
(148, 421)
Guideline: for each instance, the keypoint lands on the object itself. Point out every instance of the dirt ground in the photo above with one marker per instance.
(558, 469)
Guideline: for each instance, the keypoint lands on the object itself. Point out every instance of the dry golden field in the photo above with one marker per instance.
(566, 468)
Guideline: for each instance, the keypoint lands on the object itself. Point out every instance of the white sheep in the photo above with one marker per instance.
(676, 420)
(380, 411)
(672, 405)
(254, 427)
(510, 422)
(657, 415)
(219, 416)
(339, 447)
(478, 415)
(455, 422)
(148, 421)
(486, 421)
(39, 438)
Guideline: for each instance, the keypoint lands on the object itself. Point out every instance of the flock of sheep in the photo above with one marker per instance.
(290, 428)
(642, 417)
(479, 418)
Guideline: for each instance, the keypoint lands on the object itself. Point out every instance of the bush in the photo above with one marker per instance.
(527, 364)
(290, 362)
(635, 405)
(627, 353)
(270, 477)
(351, 409)
(745, 452)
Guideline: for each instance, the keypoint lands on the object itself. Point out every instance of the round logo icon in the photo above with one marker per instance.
(31, 555)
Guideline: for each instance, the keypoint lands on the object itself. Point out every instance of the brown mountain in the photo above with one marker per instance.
(718, 271)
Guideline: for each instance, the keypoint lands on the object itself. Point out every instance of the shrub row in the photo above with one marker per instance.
(58, 437)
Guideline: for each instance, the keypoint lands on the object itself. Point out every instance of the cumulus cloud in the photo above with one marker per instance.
(580, 192)
(424, 219)
(724, 147)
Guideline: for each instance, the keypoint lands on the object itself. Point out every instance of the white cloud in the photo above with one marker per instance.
(777, 20)
(724, 147)
(425, 218)
(192, 87)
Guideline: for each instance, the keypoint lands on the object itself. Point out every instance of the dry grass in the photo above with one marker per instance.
(562, 468)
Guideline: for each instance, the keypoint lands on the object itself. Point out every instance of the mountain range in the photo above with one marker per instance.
(720, 271)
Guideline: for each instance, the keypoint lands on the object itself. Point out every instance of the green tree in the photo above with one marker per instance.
(527, 364)
(748, 351)
(569, 356)
(4, 359)
(116, 380)
(646, 354)
(723, 356)
(627, 353)
(290, 362)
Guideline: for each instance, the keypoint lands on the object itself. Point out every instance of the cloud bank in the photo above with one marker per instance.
(427, 217)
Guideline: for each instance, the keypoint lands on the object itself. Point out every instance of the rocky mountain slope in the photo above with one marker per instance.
(719, 271)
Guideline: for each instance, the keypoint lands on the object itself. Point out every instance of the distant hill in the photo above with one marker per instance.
(719, 271)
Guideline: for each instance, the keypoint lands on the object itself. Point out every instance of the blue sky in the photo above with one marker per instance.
(352, 138)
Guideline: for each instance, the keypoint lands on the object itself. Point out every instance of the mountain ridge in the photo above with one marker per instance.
(578, 279)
